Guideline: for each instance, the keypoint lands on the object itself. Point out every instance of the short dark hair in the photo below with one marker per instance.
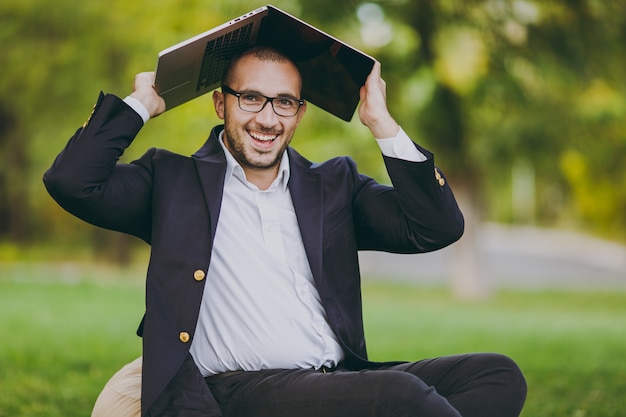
(262, 53)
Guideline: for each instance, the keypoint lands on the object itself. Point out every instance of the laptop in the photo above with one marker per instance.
(332, 71)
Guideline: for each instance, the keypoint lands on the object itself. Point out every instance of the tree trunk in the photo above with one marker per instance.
(13, 177)
(469, 279)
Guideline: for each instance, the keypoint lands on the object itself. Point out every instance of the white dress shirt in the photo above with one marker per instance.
(260, 307)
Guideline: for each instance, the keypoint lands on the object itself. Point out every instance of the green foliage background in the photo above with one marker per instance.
(489, 85)
(498, 89)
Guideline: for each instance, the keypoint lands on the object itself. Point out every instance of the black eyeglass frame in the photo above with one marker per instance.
(238, 94)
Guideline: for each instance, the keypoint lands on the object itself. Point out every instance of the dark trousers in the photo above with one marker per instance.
(474, 385)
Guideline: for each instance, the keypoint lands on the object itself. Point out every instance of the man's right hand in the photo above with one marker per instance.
(143, 90)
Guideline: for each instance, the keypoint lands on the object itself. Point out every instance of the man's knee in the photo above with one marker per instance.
(508, 373)
(406, 395)
(506, 379)
(121, 396)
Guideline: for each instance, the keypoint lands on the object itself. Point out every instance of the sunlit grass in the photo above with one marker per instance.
(65, 330)
(570, 345)
(62, 336)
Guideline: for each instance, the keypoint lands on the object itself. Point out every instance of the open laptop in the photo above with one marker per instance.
(332, 71)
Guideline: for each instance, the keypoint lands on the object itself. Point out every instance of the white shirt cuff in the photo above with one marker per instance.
(401, 147)
(138, 106)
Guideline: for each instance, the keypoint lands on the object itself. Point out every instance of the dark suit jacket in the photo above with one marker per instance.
(173, 203)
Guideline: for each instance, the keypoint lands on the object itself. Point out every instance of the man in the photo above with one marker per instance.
(253, 304)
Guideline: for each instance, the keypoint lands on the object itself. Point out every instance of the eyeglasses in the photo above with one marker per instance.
(254, 102)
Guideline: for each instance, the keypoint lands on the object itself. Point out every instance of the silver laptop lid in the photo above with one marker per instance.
(332, 71)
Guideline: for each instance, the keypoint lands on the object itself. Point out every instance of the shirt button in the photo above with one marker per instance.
(199, 275)
(184, 337)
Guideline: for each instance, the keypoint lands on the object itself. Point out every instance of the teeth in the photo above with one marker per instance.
(264, 138)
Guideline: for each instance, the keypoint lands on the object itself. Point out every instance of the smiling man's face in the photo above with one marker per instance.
(258, 140)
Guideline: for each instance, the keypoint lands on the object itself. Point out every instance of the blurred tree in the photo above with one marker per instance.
(502, 88)
(55, 60)
(13, 220)
(495, 87)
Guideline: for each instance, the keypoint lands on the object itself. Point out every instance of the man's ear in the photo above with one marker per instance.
(218, 103)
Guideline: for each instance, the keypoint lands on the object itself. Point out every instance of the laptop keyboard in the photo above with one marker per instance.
(218, 52)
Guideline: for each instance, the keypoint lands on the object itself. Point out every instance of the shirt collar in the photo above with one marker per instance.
(234, 169)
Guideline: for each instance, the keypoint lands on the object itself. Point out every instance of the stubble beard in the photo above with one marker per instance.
(236, 146)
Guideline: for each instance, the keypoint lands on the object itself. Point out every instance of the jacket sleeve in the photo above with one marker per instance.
(87, 181)
(418, 214)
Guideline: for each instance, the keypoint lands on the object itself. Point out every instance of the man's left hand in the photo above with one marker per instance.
(373, 111)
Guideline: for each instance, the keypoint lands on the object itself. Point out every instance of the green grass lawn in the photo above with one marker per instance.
(64, 330)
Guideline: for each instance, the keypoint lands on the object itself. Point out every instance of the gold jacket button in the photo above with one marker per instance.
(184, 337)
(199, 275)
(442, 182)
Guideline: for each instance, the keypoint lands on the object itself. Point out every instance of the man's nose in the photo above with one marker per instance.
(267, 116)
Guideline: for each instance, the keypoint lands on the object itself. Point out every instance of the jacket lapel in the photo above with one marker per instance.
(211, 166)
(307, 193)
(305, 186)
